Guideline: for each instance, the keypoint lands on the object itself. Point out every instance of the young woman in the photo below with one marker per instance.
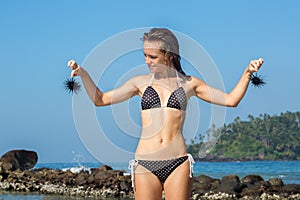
(161, 160)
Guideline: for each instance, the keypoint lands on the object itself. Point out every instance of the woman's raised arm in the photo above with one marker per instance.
(232, 99)
(99, 98)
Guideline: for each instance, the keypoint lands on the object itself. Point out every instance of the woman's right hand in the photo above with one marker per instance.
(76, 69)
(255, 65)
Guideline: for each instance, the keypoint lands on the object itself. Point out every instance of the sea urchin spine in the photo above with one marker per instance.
(257, 80)
(72, 86)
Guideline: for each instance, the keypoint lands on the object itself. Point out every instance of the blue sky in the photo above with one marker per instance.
(37, 38)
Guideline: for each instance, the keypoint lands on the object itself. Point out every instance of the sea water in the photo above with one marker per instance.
(288, 171)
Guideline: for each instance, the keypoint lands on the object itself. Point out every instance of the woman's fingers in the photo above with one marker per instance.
(74, 73)
(259, 63)
(261, 60)
(255, 65)
(74, 66)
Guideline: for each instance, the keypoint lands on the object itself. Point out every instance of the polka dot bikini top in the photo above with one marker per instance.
(151, 99)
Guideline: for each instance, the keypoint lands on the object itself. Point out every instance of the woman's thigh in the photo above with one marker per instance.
(179, 184)
(147, 185)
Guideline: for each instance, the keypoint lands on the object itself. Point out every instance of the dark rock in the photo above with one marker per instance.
(15, 175)
(125, 184)
(6, 167)
(215, 185)
(291, 189)
(254, 185)
(252, 190)
(64, 177)
(81, 178)
(101, 175)
(231, 185)
(117, 172)
(252, 179)
(277, 182)
(203, 184)
(265, 185)
(101, 168)
(18, 159)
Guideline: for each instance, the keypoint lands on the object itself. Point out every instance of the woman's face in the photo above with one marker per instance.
(154, 57)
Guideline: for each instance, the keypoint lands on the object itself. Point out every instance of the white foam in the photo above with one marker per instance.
(78, 169)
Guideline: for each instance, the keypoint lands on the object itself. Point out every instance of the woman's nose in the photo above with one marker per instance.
(147, 60)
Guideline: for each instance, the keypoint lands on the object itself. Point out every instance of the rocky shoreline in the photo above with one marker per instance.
(104, 182)
(212, 158)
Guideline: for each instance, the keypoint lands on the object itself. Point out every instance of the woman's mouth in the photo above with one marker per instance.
(151, 66)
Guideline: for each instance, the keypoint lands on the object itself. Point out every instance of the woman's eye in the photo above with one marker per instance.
(149, 56)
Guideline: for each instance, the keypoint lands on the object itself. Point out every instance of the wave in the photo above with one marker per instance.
(78, 169)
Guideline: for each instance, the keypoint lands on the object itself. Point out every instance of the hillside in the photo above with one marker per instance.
(262, 138)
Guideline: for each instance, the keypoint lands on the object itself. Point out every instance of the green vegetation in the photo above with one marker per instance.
(263, 138)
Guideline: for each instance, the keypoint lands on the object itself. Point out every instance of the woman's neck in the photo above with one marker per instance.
(165, 74)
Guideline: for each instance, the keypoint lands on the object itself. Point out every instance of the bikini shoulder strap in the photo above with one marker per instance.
(151, 80)
(178, 79)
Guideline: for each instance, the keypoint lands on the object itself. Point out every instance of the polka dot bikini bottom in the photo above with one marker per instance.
(161, 168)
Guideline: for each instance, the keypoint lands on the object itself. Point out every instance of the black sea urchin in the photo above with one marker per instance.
(257, 80)
(72, 86)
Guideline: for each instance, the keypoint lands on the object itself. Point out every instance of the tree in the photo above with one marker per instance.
(263, 137)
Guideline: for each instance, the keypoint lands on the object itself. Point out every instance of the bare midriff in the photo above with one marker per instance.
(161, 136)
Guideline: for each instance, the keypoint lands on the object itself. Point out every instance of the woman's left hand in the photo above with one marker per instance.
(255, 65)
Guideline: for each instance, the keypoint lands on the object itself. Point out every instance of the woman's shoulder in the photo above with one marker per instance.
(192, 79)
(140, 79)
(194, 82)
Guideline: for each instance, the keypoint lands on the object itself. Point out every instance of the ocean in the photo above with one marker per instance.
(288, 171)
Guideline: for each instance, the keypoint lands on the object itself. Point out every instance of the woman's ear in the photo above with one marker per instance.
(168, 57)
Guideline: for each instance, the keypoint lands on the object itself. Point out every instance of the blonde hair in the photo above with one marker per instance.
(169, 44)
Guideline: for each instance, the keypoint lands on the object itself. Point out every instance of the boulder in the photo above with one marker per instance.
(252, 179)
(255, 185)
(203, 184)
(101, 168)
(18, 159)
(231, 184)
(277, 182)
(291, 189)
(125, 184)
